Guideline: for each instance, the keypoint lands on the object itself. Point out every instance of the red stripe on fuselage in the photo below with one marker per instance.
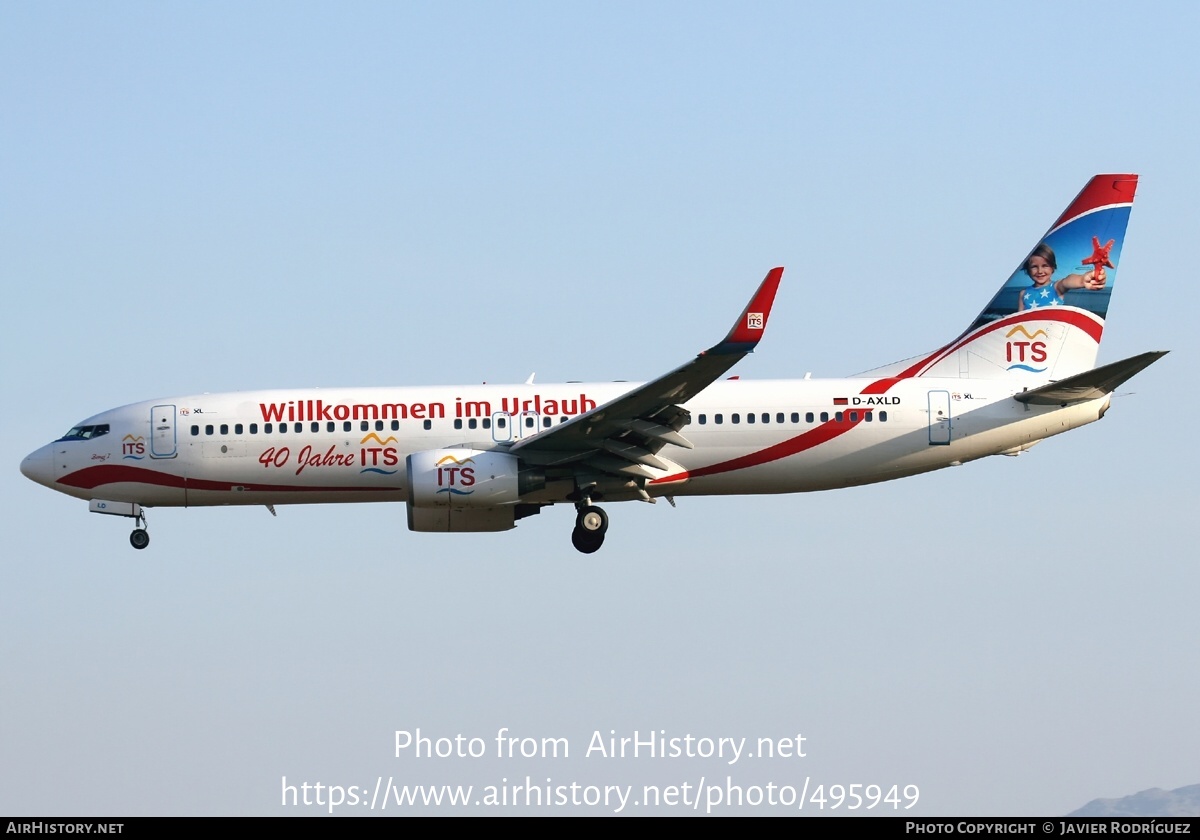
(792, 446)
(833, 429)
(90, 478)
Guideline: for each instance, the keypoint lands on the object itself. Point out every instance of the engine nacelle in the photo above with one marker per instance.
(462, 490)
(463, 478)
(468, 490)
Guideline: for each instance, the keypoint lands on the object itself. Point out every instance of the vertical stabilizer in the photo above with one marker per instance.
(1047, 319)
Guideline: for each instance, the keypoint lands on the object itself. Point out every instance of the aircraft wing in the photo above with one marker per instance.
(622, 437)
(1091, 384)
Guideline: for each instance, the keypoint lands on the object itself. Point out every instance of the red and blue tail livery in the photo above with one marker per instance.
(1047, 318)
(482, 457)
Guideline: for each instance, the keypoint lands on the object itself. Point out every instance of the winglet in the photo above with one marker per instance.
(749, 327)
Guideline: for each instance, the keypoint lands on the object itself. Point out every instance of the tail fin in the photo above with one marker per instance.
(1047, 319)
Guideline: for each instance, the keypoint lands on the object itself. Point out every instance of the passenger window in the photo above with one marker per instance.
(487, 422)
(208, 430)
(346, 426)
(365, 426)
(853, 416)
(395, 425)
(379, 425)
(283, 428)
(500, 424)
(735, 418)
(428, 425)
(749, 418)
(703, 420)
(224, 428)
(253, 428)
(883, 417)
(766, 418)
(457, 423)
(472, 423)
(237, 429)
(267, 427)
(867, 416)
(779, 417)
(329, 427)
(195, 430)
(838, 417)
(718, 419)
(824, 416)
(546, 421)
(315, 427)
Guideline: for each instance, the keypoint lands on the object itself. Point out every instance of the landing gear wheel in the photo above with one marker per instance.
(592, 519)
(587, 542)
(139, 539)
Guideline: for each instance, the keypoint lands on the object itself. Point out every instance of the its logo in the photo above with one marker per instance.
(754, 320)
(1024, 354)
(133, 448)
(374, 458)
(452, 479)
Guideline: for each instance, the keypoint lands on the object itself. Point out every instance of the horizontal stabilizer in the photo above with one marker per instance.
(1091, 384)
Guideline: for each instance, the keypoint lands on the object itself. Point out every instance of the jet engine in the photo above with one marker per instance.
(466, 490)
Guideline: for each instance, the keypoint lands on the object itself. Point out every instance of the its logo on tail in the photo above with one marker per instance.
(1020, 351)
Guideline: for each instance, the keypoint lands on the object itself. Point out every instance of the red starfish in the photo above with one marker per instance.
(1099, 259)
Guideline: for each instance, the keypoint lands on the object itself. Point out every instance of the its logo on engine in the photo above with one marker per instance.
(452, 479)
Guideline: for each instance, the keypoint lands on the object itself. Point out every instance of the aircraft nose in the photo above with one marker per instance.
(38, 466)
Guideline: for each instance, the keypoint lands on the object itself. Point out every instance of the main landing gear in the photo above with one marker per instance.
(590, 525)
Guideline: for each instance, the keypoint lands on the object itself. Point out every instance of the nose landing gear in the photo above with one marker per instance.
(591, 523)
(140, 538)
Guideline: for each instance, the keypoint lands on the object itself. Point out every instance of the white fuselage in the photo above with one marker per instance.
(350, 445)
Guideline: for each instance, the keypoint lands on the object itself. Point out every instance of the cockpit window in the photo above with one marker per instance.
(86, 432)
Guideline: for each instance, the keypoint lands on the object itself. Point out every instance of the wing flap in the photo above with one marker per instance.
(661, 434)
(633, 453)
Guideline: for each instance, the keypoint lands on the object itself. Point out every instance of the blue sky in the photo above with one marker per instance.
(211, 197)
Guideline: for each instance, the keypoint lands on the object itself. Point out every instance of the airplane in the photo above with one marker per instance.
(481, 457)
